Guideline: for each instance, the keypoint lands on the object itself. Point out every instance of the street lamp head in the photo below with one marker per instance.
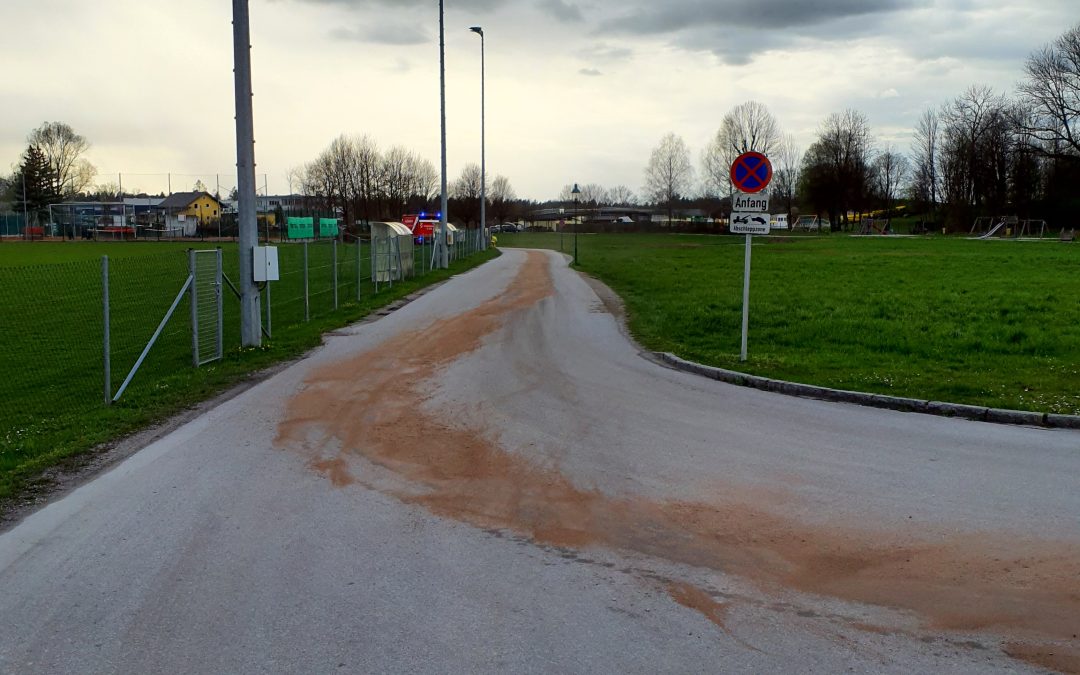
(478, 30)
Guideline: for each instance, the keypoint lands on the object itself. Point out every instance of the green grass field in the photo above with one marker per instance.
(51, 328)
(993, 323)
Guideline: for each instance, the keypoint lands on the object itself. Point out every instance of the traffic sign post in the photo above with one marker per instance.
(751, 173)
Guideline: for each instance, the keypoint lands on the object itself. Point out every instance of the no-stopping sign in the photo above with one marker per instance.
(751, 172)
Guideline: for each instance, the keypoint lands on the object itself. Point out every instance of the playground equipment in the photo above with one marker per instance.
(1010, 227)
(1026, 228)
(875, 226)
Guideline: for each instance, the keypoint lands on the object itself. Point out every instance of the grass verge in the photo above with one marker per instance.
(57, 423)
(989, 323)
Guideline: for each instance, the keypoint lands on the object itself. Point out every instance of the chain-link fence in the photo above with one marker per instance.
(79, 335)
(12, 225)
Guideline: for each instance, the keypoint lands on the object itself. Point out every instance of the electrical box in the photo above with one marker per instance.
(265, 263)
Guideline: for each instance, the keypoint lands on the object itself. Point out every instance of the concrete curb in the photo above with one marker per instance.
(970, 412)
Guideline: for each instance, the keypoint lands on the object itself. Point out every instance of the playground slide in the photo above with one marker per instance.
(993, 230)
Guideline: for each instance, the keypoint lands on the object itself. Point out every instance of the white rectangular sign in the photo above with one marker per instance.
(744, 203)
(749, 223)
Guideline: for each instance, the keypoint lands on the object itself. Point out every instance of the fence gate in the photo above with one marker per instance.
(206, 306)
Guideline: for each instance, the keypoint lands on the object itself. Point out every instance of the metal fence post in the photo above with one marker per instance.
(106, 353)
(194, 301)
(220, 346)
(269, 324)
(307, 301)
(359, 273)
(334, 251)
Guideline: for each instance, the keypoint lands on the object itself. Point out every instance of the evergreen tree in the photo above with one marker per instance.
(34, 185)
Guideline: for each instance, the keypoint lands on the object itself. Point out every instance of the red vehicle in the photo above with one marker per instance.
(422, 225)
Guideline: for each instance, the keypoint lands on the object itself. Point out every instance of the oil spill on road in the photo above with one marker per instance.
(371, 406)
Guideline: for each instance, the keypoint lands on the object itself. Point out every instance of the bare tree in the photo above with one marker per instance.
(501, 190)
(425, 178)
(465, 190)
(467, 185)
(925, 151)
(502, 198)
(342, 161)
(836, 167)
(592, 194)
(890, 170)
(787, 167)
(396, 178)
(367, 189)
(1052, 92)
(63, 149)
(620, 195)
(295, 178)
(976, 143)
(345, 178)
(746, 127)
(106, 192)
(669, 174)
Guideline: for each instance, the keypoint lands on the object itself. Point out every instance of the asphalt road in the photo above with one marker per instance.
(492, 479)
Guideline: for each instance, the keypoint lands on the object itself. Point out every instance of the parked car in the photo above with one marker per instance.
(506, 227)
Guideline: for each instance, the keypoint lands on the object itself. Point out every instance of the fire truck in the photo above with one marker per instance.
(422, 225)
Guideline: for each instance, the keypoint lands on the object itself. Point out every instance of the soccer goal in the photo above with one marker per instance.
(874, 226)
(810, 223)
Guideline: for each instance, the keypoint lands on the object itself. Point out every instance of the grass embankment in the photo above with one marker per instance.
(52, 393)
(993, 323)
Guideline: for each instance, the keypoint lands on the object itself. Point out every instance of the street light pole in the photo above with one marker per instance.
(577, 224)
(483, 150)
(441, 253)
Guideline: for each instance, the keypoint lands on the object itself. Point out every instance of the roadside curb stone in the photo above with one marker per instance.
(940, 408)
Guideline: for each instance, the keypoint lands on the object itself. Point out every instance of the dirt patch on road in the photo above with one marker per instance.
(371, 406)
(693, 597)
(1062, 658)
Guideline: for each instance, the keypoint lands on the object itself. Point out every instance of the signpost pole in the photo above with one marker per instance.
(746, 297)
(750, 174)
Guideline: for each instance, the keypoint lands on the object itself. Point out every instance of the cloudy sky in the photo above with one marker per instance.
(577, 90)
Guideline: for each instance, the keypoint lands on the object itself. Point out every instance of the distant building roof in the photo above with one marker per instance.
(182, 200)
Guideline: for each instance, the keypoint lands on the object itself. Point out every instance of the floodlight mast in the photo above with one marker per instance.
(442, 255)
(483, 149)
(250, 317)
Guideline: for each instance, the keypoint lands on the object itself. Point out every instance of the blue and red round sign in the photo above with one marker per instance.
(751, 172)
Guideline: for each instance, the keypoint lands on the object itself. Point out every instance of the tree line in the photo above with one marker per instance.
(353, 177)
(50, 170)
(982, 153)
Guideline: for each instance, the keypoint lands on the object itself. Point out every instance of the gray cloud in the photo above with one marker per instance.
(677, 15)
(562, 10)
(395, 35)
(590, 72)
(458, 4)
(606, 53)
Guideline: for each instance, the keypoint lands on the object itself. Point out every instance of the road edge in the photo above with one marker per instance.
(902, 404)
(615, 306)
(56, 482)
